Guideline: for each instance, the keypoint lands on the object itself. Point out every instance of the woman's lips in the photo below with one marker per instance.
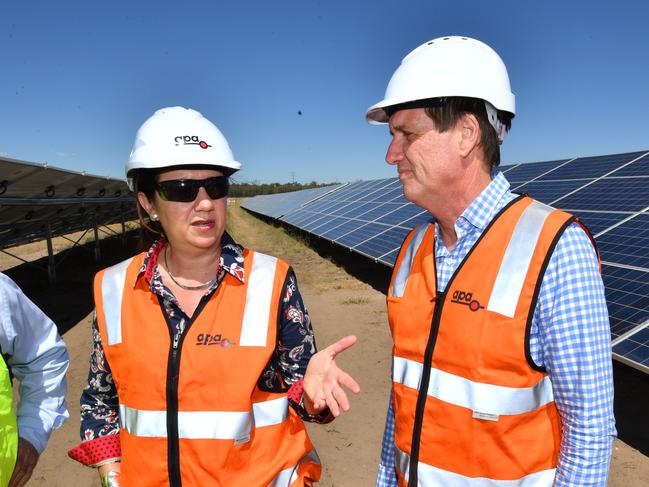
(203, 225)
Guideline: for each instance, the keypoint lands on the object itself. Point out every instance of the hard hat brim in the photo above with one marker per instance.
(230, 166)
(377, 115)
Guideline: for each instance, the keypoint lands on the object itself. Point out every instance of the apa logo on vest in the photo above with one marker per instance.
(191, 140)
(207, 339)
(466, 298)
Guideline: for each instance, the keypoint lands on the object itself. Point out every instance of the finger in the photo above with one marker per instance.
(333, 405)
(342, 344)
(18, 473)
(314, 395)
(18, 478)
(320, 402)
(309, 389)
(23, 480)
(26, 459)
(21, 474)
(348, 381)
(341, 398)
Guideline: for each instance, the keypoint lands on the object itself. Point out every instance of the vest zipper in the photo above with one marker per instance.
(173, 373)
(173, 453)
(423, 387)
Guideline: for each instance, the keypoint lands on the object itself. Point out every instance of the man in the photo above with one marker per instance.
(34, 353)
(502, 360)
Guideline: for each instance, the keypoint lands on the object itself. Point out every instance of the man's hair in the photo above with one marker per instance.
(446, 112)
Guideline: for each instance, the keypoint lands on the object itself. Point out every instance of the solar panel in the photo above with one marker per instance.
(316, 222)
(277, 207)
(627, 243)
(635, 348)
(610, 194)
(599, 221)
(590, 167)
(402, 213)
(343, 227)
(627, 296)
(640, 167)
(549, 191)
(618, 194)
(37, 201)
(384, 244)
(526, 172)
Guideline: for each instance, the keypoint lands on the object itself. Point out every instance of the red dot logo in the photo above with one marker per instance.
(203, 144)
(474, 305)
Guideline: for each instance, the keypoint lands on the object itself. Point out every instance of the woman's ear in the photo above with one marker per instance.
(147, 205)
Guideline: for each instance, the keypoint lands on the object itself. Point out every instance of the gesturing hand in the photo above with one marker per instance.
(25, 462)
(323, 380)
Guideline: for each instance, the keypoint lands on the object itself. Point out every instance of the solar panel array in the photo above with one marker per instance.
(610, 194)
(37, 200)
(270, 205)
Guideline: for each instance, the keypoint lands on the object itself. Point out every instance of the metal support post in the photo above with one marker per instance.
(51, 262)
(96, 230)
(123, 230)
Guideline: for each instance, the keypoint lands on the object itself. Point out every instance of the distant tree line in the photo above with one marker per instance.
(238, 190)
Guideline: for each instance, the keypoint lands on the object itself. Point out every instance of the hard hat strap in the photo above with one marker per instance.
(492, 116)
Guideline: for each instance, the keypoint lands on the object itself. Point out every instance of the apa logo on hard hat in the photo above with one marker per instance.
(191, 140)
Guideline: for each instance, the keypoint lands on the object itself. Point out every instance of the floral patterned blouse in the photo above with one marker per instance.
(296, 345)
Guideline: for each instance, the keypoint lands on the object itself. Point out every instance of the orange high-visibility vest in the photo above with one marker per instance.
(471, 407)
(191, 413)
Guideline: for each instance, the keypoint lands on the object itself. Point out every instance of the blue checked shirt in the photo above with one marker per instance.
(570, 337)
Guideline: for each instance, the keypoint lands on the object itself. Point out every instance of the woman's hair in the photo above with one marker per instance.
(145, 180)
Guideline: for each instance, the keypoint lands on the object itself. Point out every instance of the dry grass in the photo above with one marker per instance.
(251, 232)
(355, 301)
(36, 250)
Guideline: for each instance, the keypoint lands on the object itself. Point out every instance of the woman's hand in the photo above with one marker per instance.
(323, 380)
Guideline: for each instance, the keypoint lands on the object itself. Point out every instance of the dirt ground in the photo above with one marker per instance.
(339, 304)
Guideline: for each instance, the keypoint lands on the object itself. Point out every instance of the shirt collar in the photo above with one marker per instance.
(483, 209)
(477, 215)
(231, 259)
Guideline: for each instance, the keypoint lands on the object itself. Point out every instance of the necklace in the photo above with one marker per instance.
(184, 286)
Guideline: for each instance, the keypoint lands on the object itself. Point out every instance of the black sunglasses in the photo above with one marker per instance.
(186, 190)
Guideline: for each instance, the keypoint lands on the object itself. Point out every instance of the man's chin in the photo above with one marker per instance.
(409, 193)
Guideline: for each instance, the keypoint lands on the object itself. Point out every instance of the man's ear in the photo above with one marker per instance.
(469, 134)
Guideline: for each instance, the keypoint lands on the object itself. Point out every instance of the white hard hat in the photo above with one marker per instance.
(177, 136)
(445, 67)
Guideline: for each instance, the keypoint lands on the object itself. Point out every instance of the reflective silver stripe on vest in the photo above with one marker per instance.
(214, 425)
(288, 476)
(476, 396)
(112, 290)
(254, 329)
(513, 269)
(401, 279)
(433, 476)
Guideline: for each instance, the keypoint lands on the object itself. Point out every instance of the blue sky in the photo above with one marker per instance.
(78, 78)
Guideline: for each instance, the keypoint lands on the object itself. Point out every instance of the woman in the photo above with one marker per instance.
(200, 346)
